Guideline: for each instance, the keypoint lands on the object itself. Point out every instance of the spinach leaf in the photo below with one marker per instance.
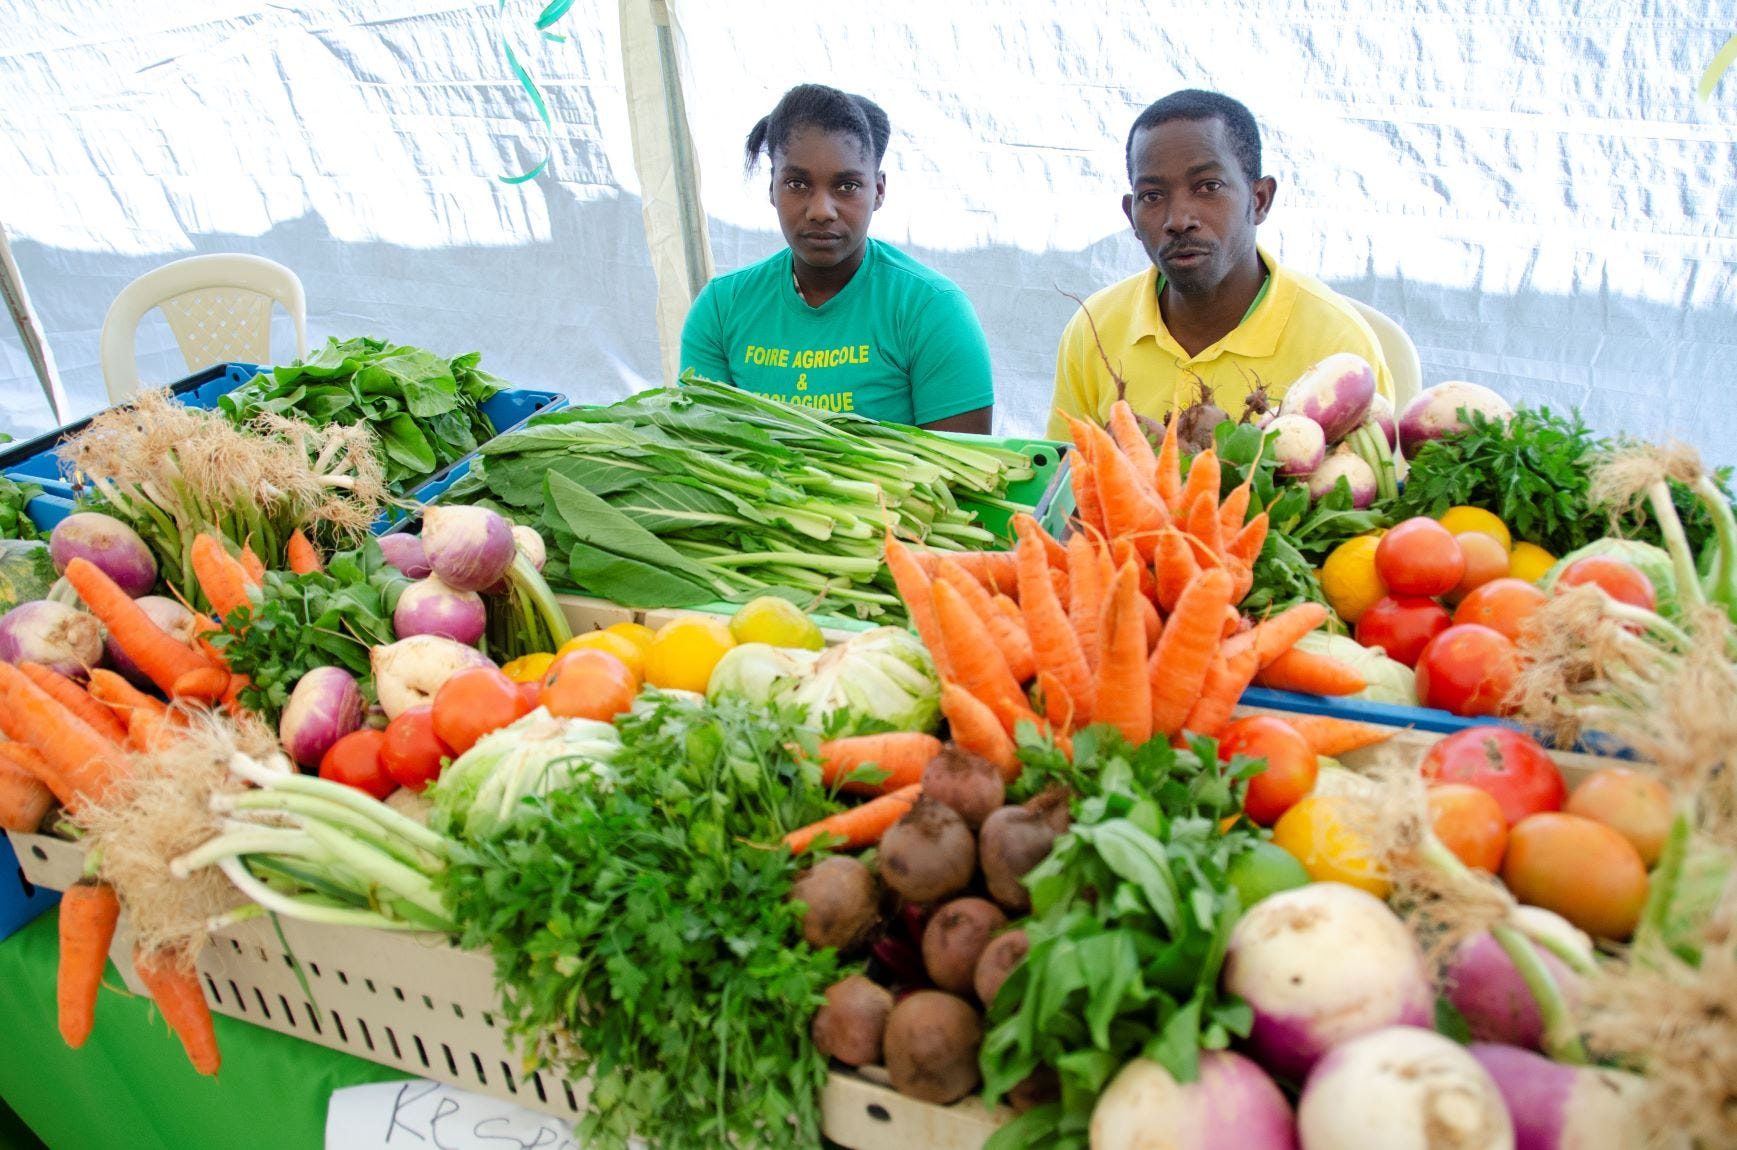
(14, 523)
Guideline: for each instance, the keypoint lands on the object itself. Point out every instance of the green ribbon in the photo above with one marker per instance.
(1717, 68)
(555, 10)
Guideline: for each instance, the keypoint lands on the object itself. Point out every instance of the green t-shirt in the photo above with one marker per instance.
(900, 343)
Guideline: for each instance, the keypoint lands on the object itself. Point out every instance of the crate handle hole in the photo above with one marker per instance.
(1040, 459)
(879, 1112)
(41, 855)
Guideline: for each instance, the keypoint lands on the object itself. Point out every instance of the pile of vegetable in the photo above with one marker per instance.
(14, 523)
(685, 496)
(424, 411)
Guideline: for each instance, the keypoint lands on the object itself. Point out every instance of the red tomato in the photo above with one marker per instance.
(1486, 559)
(354, 760)
(589, 684)
(1291, 765)
(1623, 582)
(1402, 627)
(1468, 669)
(1501, 604)
(1508, 764)
(532, 693)
(412, 753)
(474, 702)
(1419, 557)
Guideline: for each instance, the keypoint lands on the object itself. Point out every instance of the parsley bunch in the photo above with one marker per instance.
(643, 934)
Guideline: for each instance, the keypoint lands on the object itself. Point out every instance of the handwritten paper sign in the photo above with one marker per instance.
(422, 1115)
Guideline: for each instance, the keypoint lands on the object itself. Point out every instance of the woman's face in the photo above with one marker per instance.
(825, 188)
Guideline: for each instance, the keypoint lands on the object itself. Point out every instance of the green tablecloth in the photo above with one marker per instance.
(131, 1087)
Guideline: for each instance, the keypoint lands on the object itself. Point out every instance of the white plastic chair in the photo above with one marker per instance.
(218, 306)
(1401, 354)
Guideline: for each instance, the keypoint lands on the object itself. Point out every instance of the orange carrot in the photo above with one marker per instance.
(221, 577)
(1058, 581)
(1128, 509)
(1167, 476)
(1125, 550)
(1058, 704)
(181, 1001)
(1132, 442)
(1310, 674)
(205, 626)
(123, 700)
(157, 653)
(251, 563)
(1150, 620)
(1055, 646)
(1124, 697)
(1087, 508)
(977, 662)
(1085, 595)
(88, 913)
(1204, 474)
(232, 694)
(1332, 736)
(1277, 634)
(73, 697)
(974, 727)
(1176, 568)
(1203, 521)
(902, 754)
(24, 799)
(1178, 667)
(1226, 680)
(202, 684)
(301, 556)
(1242, 578)
(914, 588)
(1247, 543)
(1009, 636)
(27, 759)
(860, 826)
(1234, 509)
(1057, 554)
(87, 762)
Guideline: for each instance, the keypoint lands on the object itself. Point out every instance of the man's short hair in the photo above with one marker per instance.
(1195, 104)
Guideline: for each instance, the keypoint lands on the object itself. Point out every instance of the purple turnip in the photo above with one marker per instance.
(53, 634)
(325, 706)
(1435, 412)
(1343, 464)
(1298, 444)
(468, 547)
(1557, 1107)
(178, 622)
(1381, 411)
(430, 607)
(1402, 1088)
(1320, 965)
(1489, 993)
(1335, 393)
(108, 543)
(1233, 1105)
(404, 551)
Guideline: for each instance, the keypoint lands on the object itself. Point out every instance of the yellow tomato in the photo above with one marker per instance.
(1315, 831)
(1528, 561)
(620, 646)
(528, 668)
(1348, 577)
(1459, 520)
(636, 633)
(777, 623)
(685, 651)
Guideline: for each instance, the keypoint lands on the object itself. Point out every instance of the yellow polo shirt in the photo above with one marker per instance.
(1296, 322)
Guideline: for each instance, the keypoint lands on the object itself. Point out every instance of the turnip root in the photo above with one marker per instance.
(430, 607)
(470, 548)
(531, 545)
(1300, 447)
(1320, 965)
(931, 1047)
(1013, 840)
(110, 544)
(954, 940)
(1335, 393)
(178, 622)
(1004, 952)
(1233, 1105)
(1381, 412)
(1402, 1088)
(1434, 412)
(1489, 993)
(1342, 464)
(325, 706)
(1557, 1107)
(408, 673)
(929, 854)
(843, 902)
(851, 1024)
(404, 551)
(968, 783)
(62, 639)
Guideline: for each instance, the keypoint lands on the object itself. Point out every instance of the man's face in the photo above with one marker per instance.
(825, 189)
(1192, 207)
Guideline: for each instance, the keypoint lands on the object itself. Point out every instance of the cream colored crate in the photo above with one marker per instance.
(859, 1110)
(47, 861)
(587, 614)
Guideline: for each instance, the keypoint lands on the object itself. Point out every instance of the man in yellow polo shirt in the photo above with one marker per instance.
(1213, 306)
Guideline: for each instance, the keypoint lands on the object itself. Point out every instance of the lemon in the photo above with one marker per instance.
(618, 645)
(685, 651)
(528, 668)
(1459, 520)
(1317, 833)
(1349, 579)
(1529, 561)
(636, 633)
(777, 623)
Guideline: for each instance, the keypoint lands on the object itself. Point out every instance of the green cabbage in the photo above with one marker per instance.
(483, 788)
(1653, 562)
(1389, 681)
(878, 680)
(759, 673)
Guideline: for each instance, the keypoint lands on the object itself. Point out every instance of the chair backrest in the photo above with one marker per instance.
(1401, 354)
(218, 306)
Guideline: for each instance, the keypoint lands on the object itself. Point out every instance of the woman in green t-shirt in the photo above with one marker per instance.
(839, 321)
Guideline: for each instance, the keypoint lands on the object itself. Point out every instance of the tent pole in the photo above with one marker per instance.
(30, 331)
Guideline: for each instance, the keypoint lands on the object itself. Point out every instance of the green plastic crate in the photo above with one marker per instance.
(1047, 459)
(1058, 506)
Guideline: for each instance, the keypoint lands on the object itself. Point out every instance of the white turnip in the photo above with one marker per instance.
(325, 706)
(1233, 1105)
(408, 673)
(1346, 465)
(53, 634)
(531, 545)
(1557, 1107)
(1335, 393)
(1435, 412)
(108, 543)
(1298, 444)
(1320, 965)
(431, 607)
(174, 619)
(1402, 1088)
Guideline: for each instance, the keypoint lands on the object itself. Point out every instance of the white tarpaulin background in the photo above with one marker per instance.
(1528, 186)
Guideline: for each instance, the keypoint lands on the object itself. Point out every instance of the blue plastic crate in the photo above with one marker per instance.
(20, 900)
